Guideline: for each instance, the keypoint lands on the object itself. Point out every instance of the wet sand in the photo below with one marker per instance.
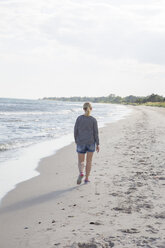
(122, 206)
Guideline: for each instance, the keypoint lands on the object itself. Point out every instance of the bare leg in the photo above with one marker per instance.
(81, 158)
(88, 164)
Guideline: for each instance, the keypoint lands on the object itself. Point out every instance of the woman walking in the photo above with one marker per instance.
(87, 140)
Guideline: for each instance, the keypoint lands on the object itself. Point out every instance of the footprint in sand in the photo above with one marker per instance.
(160, 215)
(131, 230)
(151, 229)
(126, 210)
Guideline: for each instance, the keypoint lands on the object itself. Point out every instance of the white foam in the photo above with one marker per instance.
(12, 113)
(23, 168)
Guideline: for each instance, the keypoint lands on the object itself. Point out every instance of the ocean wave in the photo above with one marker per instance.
(6, 146)
(27, 113)
(68, 111)
(14, 145)
(76, 110)
(3, 147)
(17, 113)
(63, 111)
(24, 127)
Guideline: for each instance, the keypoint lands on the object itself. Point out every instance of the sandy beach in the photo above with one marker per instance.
(122, 206)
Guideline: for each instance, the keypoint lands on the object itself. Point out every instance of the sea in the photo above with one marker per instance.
(33, 129)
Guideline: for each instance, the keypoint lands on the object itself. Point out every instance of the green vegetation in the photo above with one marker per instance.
(151, 100)
(156, 104)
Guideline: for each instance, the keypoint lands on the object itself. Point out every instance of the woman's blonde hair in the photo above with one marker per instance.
(87, 107)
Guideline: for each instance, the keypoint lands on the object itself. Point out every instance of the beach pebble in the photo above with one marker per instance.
(141, 160)
(111, 244)
(95, 223)
(161, 178)
(48, 229)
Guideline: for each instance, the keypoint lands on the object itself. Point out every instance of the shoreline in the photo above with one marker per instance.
(25, 166)
(50, 210)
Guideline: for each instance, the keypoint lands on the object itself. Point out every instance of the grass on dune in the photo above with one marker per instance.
(156, 104)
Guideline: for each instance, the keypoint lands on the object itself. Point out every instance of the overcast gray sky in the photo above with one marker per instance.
(81, 47)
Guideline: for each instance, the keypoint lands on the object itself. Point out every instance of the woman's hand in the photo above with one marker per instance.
(97, 148)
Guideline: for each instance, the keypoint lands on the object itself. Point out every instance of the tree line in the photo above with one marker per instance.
(112, 98)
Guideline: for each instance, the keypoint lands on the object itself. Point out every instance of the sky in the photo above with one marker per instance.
(81, 48)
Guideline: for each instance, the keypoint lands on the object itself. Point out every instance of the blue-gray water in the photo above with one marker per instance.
(36, 128)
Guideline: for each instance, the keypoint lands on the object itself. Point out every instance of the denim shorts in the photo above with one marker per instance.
(85, 148)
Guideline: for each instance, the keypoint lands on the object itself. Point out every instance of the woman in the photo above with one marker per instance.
(86, 138)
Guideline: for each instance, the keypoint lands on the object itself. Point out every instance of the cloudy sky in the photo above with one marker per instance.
(81, 47)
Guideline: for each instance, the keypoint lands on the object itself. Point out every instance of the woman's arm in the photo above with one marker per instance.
(76, 131)
(96, 133)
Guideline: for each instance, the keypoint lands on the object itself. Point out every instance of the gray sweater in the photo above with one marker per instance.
(86, 130)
